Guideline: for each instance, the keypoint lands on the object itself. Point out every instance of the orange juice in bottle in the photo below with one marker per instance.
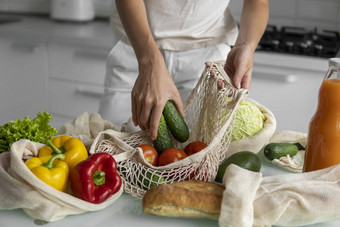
(323, 140)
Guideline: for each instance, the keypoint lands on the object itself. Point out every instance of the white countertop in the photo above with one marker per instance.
(43, 28)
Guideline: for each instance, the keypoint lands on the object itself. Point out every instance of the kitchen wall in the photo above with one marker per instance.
(305, 13)
(323, 14)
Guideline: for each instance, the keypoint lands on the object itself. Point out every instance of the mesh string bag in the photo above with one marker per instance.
(210, 116)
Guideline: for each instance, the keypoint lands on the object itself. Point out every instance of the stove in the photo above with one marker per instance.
(300, 41)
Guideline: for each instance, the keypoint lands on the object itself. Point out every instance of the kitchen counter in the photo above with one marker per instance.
(127, 211)
(45, 29)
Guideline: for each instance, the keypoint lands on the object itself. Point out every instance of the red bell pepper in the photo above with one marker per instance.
(95, 178)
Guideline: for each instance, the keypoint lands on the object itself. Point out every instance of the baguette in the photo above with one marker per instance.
(189, 199)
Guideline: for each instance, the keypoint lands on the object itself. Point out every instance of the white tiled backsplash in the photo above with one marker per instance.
(303, 13)
(102, 7)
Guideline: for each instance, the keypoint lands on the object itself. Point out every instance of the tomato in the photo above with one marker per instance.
(194, 147)
(150, 154)
(171, 155)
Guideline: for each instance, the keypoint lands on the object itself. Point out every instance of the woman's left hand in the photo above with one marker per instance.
(239, 66)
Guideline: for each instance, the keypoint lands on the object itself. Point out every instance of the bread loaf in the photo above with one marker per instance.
(191, 199)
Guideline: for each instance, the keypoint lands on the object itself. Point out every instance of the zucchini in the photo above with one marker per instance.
(277, 150)
(163, 140)
(175, 122)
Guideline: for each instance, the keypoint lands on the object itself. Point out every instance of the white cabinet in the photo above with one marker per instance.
(76, 83)
(288, 86)
(24, 77)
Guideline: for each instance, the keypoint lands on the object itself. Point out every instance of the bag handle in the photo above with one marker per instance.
(219, 65)
(128, 152)
(240, 94)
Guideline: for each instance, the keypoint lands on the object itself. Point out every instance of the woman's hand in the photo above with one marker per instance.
(239, 63)
(153, 88)
(239, 66)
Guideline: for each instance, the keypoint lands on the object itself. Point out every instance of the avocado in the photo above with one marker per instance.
(244, 159)
(277, 150)
(175, 122)
(163, 140)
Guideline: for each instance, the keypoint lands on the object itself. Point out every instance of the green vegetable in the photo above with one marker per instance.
(277, 150)
(175, 122)
(299, 146)
(244, 159)
(163, 140)
(37, 130)
(150, 179)
(249, 121)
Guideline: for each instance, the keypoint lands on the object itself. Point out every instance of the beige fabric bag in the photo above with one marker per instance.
(20, 188)
(285, 200)
(208, 121)
(86, 127)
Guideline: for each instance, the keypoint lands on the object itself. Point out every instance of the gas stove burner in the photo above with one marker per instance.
(300, 41)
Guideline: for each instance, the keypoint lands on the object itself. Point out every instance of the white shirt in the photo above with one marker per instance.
(186, 24)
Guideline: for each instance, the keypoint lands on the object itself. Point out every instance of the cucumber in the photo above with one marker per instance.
(163, 140)
(277, 150)
(175, 122)
(150, 180)
(244, 159)
(299, 146)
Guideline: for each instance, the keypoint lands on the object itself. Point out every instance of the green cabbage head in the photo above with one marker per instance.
(249, 121)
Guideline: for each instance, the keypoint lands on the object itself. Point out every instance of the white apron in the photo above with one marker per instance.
(188, 33)
(185, 67)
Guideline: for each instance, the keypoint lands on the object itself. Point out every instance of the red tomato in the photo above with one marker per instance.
(171, 155)
(194, 147)
(150, 154)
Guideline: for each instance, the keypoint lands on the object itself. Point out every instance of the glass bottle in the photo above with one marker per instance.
(323, 140)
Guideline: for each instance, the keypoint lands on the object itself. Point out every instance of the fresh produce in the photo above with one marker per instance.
(52, 171)
(150, 154)
(277, 150)
(299, 146)
(194, 147)
(171, 120)
(95, 178)
(74, 150)
(171, 155)
(163, 140)
(175, 122)
(37, 130)
(151, 179)
(249, 121)
(244, 159)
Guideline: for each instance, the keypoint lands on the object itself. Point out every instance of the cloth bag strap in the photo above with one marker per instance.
(128, 151)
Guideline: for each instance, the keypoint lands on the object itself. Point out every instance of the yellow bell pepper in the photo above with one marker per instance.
(52, 171)
(74, 150)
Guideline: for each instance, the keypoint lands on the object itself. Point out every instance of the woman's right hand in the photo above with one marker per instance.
(153, 88)
(154, 85)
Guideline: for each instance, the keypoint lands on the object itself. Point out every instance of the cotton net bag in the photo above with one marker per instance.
(209, 114)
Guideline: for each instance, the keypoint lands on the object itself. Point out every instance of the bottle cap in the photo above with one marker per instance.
(334, 62)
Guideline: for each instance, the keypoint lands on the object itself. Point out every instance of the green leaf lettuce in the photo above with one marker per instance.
(37, 130)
